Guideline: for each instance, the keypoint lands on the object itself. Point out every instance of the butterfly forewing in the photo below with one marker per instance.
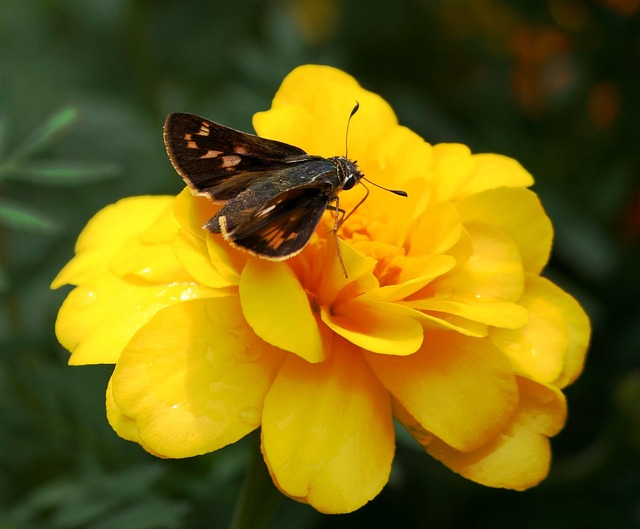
(219, 161)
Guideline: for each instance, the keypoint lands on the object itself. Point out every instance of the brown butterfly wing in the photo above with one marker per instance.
(280, 227)
(219, 161)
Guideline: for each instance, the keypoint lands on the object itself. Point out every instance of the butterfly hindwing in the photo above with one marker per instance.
(219, 161)
(278, 228)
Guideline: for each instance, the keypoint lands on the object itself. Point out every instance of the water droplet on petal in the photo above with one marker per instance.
(84, 297)
(250, 416)
(513, 347)
(247, 353)
(445, 293)
(243, 351)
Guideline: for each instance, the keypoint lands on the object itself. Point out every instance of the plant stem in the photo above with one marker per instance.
(259, 499)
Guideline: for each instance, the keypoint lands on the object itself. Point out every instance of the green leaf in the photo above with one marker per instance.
(20, 217)
(44, 134)
(64, 173)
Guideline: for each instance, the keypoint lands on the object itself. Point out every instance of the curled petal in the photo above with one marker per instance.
(327, 433)
(193, 379)
(460, 389)
(192, 252)
(430, 268)
(494, 313)
(312, 100)
(384, 328)
(551, 347)
(97, 319)
(519, 457)
(155, 263)
(527, 223)
(493, 171)
(193, 212)
(108, 231)
(124, 426)
(436, 231)
(277, 308)
(453, 167)
(493, 271)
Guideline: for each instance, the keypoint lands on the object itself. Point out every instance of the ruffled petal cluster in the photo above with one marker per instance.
(443, 322)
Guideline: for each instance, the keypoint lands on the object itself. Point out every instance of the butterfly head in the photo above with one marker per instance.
(348, 172)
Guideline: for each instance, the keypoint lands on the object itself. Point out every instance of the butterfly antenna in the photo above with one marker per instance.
(399, 192)
(346, 136)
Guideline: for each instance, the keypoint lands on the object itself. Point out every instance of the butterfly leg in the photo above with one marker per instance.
(338, 219)
(344, 218)
(339, 211)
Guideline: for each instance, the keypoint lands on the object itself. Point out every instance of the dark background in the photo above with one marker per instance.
(84, 89)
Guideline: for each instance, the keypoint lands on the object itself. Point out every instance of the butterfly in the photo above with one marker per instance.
(273, 194)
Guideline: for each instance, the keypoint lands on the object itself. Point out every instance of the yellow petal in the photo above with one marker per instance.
(551, 347)
(493, 271)
(492, 171)
(384, 328)
(494, 313)
(193, 253)
(277, 309)
(193, 379)
(519, 457)
(227, 261)
(107, 232)
(519, 213)
(436, 231)
(460, 389)
(430, 268)
(124, 426)
(193, 212)
(439, 321)
(156, 262)
(453, 166)
(311, 108)
(397, 158)
(330, 279)
(97, 319)
(327, 433)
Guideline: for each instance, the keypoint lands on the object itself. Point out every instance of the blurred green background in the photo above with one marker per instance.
(85, 86)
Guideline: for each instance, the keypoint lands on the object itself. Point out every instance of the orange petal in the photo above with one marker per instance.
(327, 433)
(193, 379)
(385, 328)
(460, 389)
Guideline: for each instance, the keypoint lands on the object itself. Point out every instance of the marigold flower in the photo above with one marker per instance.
(443, 322)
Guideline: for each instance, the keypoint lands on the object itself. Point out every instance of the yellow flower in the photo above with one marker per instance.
(443, 322)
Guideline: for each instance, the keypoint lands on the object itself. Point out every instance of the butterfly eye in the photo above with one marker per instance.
(349, 182)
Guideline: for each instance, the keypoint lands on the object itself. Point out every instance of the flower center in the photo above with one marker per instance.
(371, 237)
